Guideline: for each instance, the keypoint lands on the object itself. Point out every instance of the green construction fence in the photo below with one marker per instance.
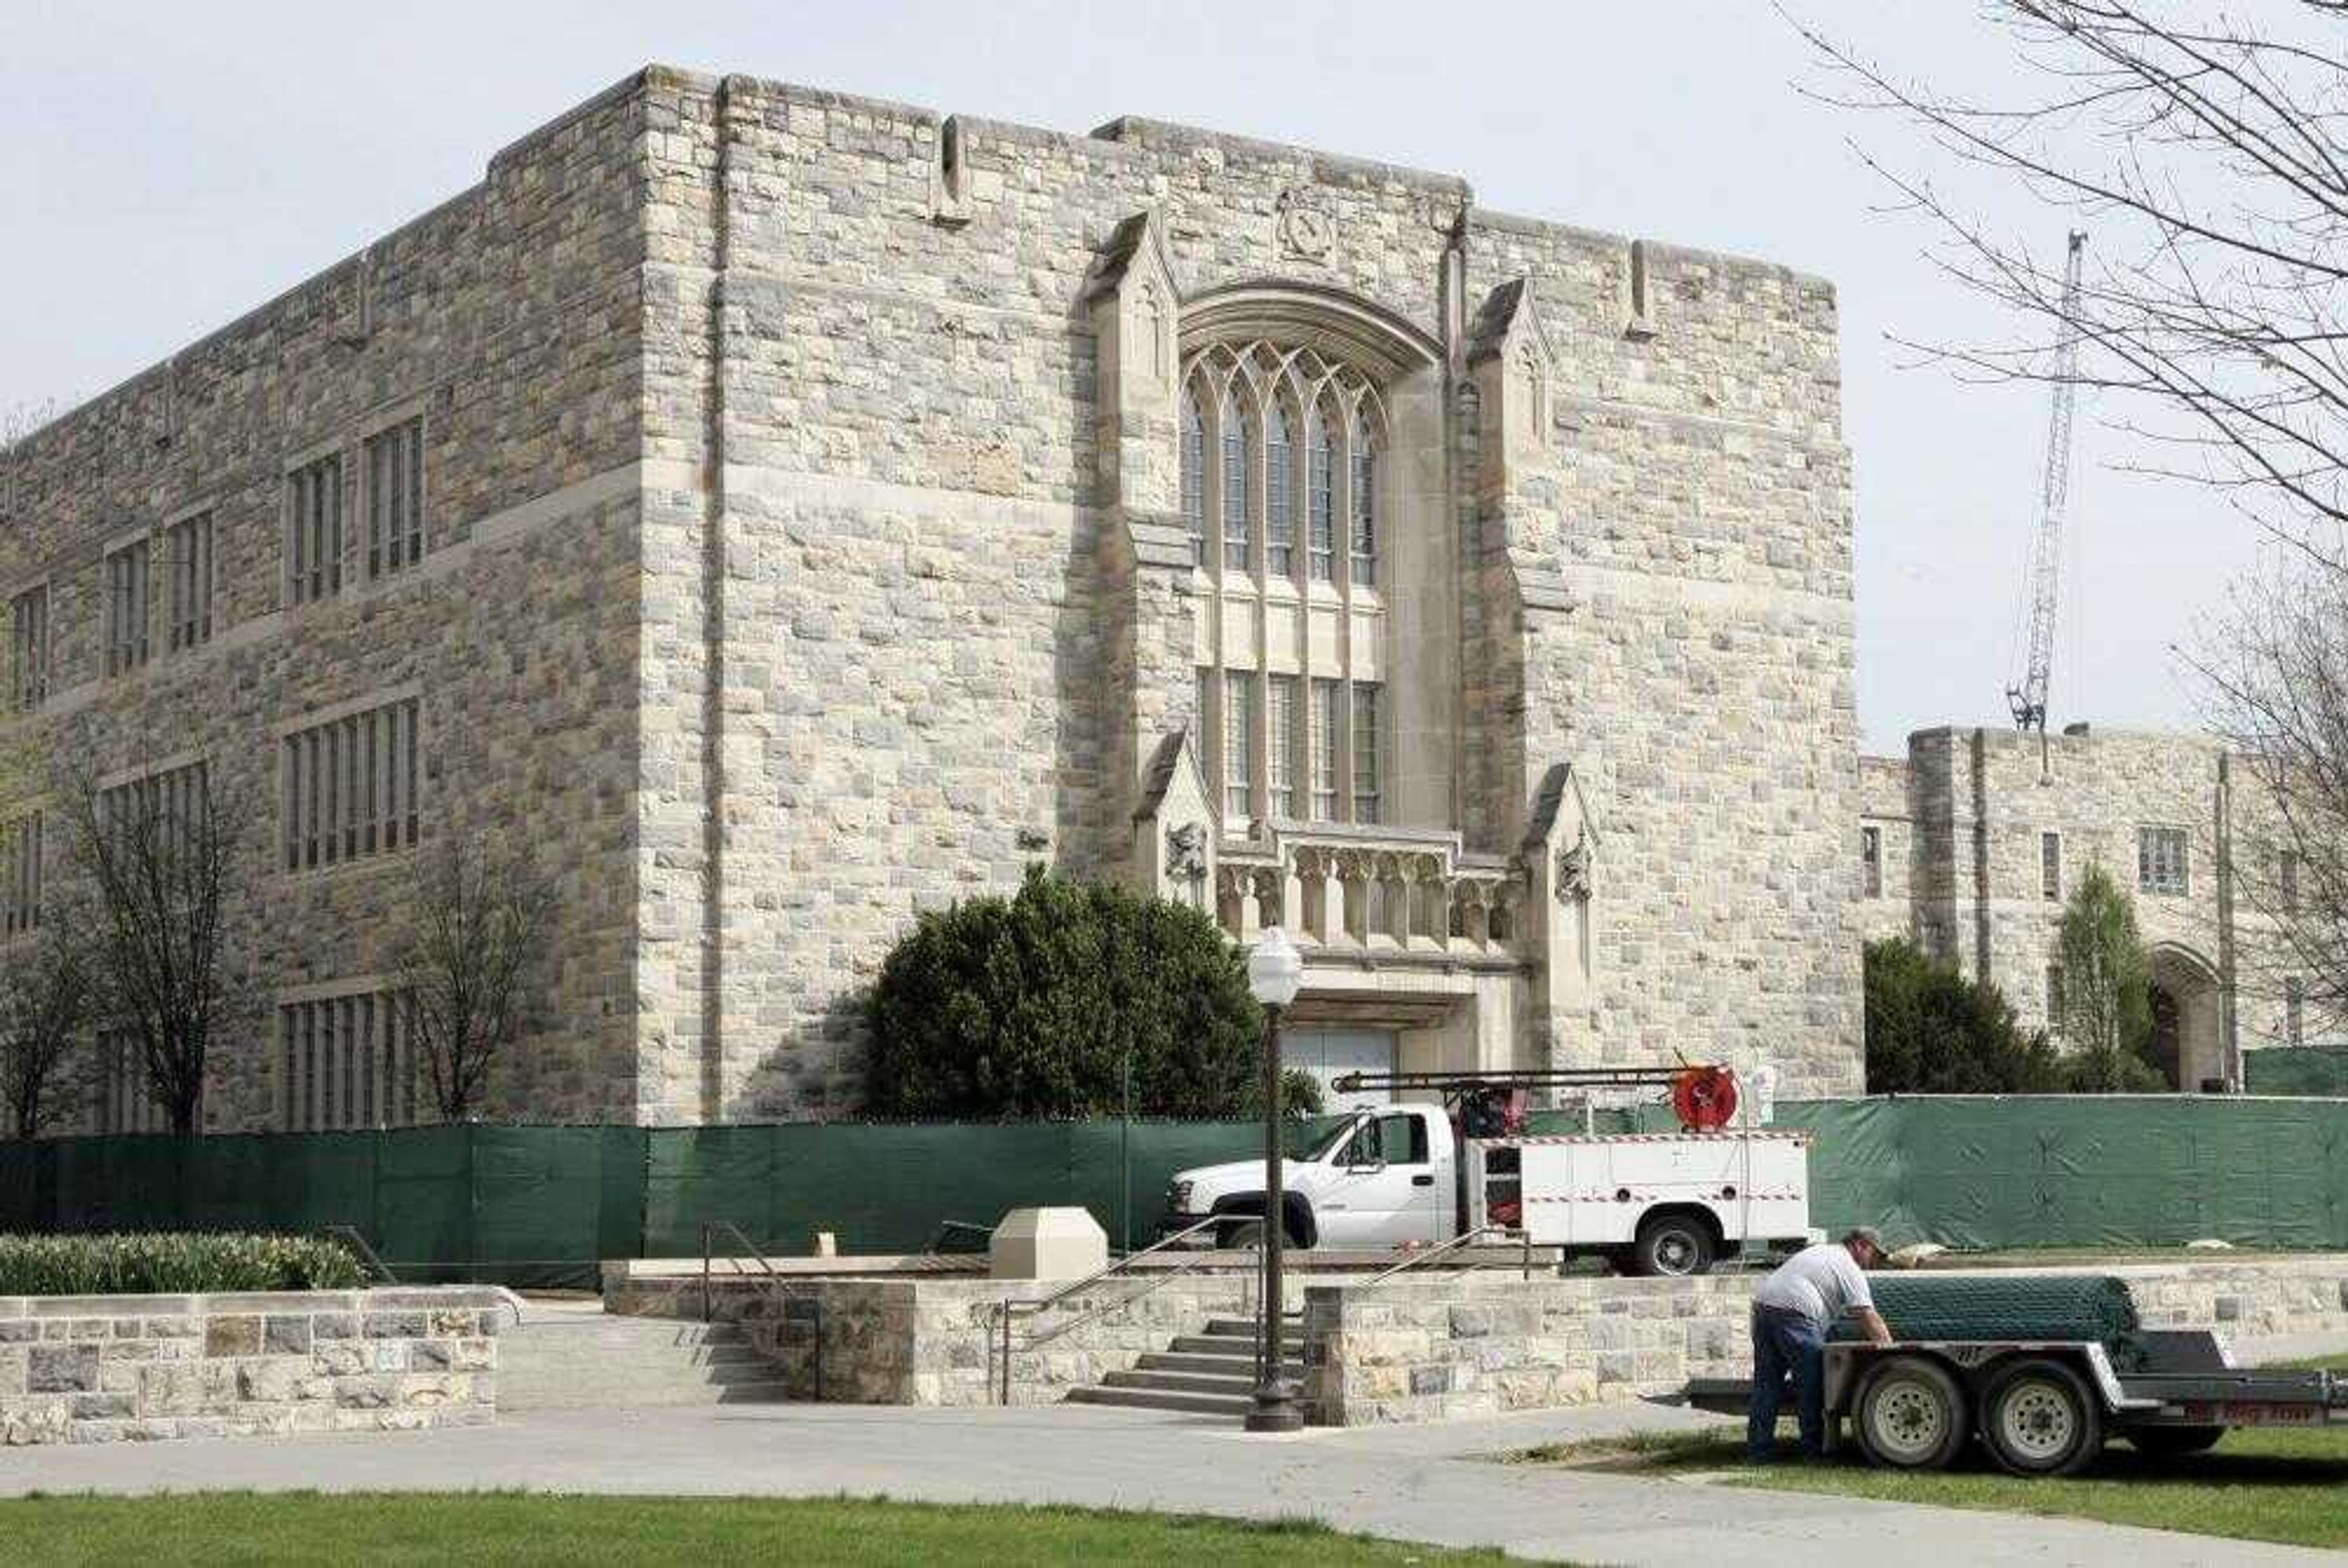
(2321, 1069)
(542, 1206)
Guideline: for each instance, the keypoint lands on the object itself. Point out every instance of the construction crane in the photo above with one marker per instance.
(2028, 697)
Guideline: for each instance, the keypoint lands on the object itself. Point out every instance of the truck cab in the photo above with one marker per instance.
(1379, 1179)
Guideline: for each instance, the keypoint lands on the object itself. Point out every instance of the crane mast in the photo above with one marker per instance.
(2027, 697)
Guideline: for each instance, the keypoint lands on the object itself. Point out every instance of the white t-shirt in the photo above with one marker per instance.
(1821, 1283)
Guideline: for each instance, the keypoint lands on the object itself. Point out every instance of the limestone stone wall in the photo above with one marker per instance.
(1437, 1349)
(112, 1368)
(1884, 805)
(507, 320)
(926, 1341)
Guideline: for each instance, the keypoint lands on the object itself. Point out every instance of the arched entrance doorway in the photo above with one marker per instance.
(2188, 1033)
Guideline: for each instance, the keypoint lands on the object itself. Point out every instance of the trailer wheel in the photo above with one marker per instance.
(2039, 1418)
(1673, 1245)
(1912, 1415)
(2173, 1442)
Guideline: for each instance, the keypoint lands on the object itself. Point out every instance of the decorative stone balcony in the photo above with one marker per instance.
(1368, 889)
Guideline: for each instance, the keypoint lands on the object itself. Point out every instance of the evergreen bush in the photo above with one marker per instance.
(1070, 999)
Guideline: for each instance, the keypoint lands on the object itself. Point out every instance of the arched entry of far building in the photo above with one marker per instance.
(2188, 1019)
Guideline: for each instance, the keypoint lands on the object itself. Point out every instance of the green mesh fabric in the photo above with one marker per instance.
(2011, 1306)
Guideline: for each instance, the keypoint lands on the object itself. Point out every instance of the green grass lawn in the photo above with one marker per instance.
(2258, 1484)
(516, 1528)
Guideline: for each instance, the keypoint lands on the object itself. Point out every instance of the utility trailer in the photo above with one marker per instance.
(2045, 1407)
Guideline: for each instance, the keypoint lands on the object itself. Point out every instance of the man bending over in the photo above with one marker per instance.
(1791, 1314)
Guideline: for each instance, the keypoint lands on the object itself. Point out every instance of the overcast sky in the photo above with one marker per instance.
(166, 168)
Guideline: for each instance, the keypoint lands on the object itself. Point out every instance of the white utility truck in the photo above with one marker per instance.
(1417, 1174)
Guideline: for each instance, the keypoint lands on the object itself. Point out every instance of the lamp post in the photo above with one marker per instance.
(1276, 970)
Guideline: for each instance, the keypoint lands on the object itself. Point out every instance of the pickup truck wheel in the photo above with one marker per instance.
(1912, 1415)
(1672, 1245)
(1240, 1234)
(2039, 1418)
(2173, 1442)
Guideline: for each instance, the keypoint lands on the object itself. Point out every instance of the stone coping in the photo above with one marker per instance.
(390, 1299)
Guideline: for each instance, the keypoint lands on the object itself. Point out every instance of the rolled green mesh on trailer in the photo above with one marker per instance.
(2083, 1306)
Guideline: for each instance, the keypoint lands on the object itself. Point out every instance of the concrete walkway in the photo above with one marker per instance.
(1423, 1483)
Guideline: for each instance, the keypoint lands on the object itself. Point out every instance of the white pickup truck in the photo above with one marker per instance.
(1665, 1203)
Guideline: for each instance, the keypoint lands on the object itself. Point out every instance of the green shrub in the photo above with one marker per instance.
(1044, 1004)
(172, 1265)
(1931, 1031)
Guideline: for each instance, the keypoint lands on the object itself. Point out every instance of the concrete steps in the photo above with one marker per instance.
(1209, 1374)
(575, 1360)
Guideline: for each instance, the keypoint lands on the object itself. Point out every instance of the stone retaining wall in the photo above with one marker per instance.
(1439, 1348)
(104, 1369)
(926, 1341)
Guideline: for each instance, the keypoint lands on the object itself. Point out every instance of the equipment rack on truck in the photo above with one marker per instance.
(2045, 1407)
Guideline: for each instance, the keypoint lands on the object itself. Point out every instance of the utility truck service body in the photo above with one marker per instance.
(1420, 1174)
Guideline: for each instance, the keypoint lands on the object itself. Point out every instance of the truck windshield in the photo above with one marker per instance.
(1313, 1141)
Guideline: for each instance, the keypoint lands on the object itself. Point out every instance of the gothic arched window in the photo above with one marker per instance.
(1291, 723)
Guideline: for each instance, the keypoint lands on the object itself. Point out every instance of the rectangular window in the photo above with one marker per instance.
(1239, 454)
(1870, 862)
(1327, 762)
(1366, 771)
(128, 582)
(346, 1063)
(2287, 881)
(2054, 999)
(2160, 861)
(125, 1100)
(2294, 1010)
(187, 567)
(314, 532)
(28, 642)
(1280, 760)
(395, 487)
(20, 876)
(1239, 744)
(2050, 866)
(167, 810)
(349, 786)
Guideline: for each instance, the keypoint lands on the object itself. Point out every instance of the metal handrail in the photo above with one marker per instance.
(757, 1255)
(1443, 1250)
(367, 1254)
(1005, 1312)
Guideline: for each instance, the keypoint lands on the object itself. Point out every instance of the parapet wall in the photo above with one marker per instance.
(109, 1368)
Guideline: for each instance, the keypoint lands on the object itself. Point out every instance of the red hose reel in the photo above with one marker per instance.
(1704, 1098)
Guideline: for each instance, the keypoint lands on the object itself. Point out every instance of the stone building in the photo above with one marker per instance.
(1970, 844)
(788, 511)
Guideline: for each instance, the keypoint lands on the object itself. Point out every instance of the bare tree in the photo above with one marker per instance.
(2274, 673)
(2203, 152)
(161, 855)
(466, 963)
(45, 1012)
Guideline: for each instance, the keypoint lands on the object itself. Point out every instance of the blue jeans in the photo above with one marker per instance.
(1786, 1344)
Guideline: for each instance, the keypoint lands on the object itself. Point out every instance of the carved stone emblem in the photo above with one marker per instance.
(1304, 230)
(1186, 851)
(1574, 865)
